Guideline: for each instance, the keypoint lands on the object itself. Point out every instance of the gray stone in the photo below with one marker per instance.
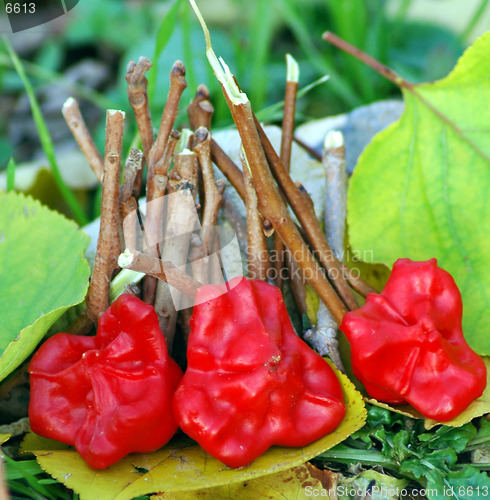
(359, 127)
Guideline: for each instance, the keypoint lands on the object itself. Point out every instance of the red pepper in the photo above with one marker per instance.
(407, 343)
(108, 395)
(250, 381)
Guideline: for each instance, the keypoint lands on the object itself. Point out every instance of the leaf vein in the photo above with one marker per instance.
(447, 203)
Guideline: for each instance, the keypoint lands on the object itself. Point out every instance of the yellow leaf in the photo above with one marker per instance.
(4, 438)
(477, 408)
(32, 441)
(291, 483)
(184, 466)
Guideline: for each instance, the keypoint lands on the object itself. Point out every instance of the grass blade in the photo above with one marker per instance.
(30, 478)
(163, 36)
(266, 113)
(261, 30)
(11, 166)
(187, 49)
(340, 85)
(46, 140)
(473, 20)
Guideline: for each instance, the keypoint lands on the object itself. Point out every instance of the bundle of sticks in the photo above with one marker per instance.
(183, 162)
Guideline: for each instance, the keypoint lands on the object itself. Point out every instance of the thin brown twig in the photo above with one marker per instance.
(133, 165)
(138, 99)
(228, 168)
(196, 255)
(180, 222)
(161, 168)
(170, 111)
(200, 110)
(177, 86)
(212, 197)
(297, 285)
(333, 160)
(108, 244)
(236, 221)
(155, 210)
(128, 202)
(204, 116)
(74, 120)
(200, 116)
(285, 155)
(402, 83)
(323, 338)
(271, 203)
(366, 59)
(163, 270)
(356, 282)
(311, 151)
(307, 217)
(273, 208)
(257, 252)
(289, 112)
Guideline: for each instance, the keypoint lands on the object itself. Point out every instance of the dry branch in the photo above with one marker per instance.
(200, 110)
(286, 147)
(163, 270)
(128, 202)
(257, 252)
(180, 222)
(307, 217)
(76, 123)
(170, 111)
(235, 219)
(228, 168)
(108, 244)
(212, 196)
(138, 99)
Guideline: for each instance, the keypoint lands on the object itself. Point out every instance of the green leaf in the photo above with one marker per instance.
(183, 466)
(42, 274)
(455, 438)
(15, 471)
(420, 189)
(386, 487)
(467, 484)
(470, 478)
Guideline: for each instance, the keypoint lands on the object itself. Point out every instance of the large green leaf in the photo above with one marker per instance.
(184, 466)
(421, 188)
(42, 273)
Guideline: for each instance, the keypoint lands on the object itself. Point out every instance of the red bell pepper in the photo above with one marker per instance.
(108, 395)
(250, 381)
(407, 343)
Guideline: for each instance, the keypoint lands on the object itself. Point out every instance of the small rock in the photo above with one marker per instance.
(359, 127)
